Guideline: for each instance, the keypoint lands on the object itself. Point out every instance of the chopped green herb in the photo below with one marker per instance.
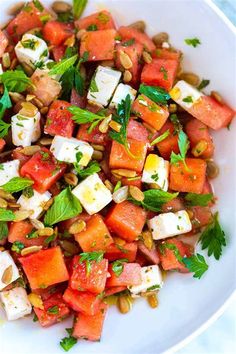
(54, 310)
(92, 27)
(93, 167)
(29, 43)
(183, 144)
(15, 80)
(17, 246)
(194, 42)
(17, 184)
(68, 342)
(62, 66)
(155, 177)
(155, 93)
(50, 239)
(4, 127)
(213, 238)
(89, 257)
(65, 17)
(93, 85)
(82, 116)
(38, 5)
(196, 264)
(175, 120)
(194, 199)
(103, 18)
(5, 103)
(28, 192)
(128, 43)
(153, 288)
(118, 266)
(35, 318)
(78, 7)
(170, 246)
(117, 186)
(154, 199)
(3, 230)
(160, 138)
(188, 99)
(204, 83)
(6, 215)
(165, 73)
(32, 234)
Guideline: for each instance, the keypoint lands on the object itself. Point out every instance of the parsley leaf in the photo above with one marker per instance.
(89, 257)
(6, 215)
(196, 264)
(68, 342)
(160, 138)
(118, 266)
(5, 103)
(15, 81)
(213, 238)
(204, 83)
(17, 184)
(54, 310)
(65, 206)
(155, 93)
(83, 116)
(38, 5)
(122, 117)
(4, 127)
(154, 199)
(183, 144)
(78, 7)
(194, 42)
(28, 192)
(62, 66)
(3, 230)
(194, 199)
(17, 246)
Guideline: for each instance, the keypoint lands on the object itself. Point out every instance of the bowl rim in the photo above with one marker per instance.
(181, 344)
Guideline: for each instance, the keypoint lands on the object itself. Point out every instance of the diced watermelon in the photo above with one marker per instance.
(170, 143)
(127, 33)
(163, 53)
(18, 231)
(137, 131)
(56, 32)
(114, 290)
(3, 43)
(126, 220)
(150, 112)
(173, 205)
(150, 254)
(93, 281)
(127, 250)
(168, 258)
(84, 302)
(59, 120)
(160, 72)
(44, 268)
(77, 100)
(2, 144)
(95, 137)
(99, 45)
(98, 21)
(131, 275)
(58, 52)
(202, 216)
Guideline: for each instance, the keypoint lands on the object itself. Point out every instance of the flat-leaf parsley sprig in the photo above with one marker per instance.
(183, 144)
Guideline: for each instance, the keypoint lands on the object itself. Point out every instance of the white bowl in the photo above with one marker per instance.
(186, 304)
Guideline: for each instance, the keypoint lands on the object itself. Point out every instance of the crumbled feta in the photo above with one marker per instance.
(92, 194)
(7, 264)
(16, 303)
(169, 224)
(34, 203)
(8, 170)
(103, 85)
(156, 171)
(31, 49)
(25, 130)
(65, 149)
(120, 94)
(151, 280)
(184, 94)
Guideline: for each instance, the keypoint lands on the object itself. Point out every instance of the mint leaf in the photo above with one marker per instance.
(154, 199)
(194, 199)
(183, 144)
(17, 184)
(6, 215)
(155, 93)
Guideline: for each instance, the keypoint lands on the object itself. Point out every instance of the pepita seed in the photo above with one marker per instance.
(147, 57)
(159, 38)
(127, 77)
(125, 60)
(114, 125)
(109, 185)
(37, 224)
(70, 42)
(199, 148)
(172, 108)
(30, 150)
(121, 194)
(77, 226)
(15, 9)
(22, 214)
(28, 109)
(30, 98)
(139, 26)
(190, 214)
(124, 173)
(71, 179)
(45, 231)
(136, 193)
(6, 195)
(147, 239)
(31, 249)
(98, 147)
(97, 155)
(150, 128)
(119, 241)
(104, 125)
(47, 205)
(69, 247)
(152, 300)
(80, 33)
(154, 186)
(212, 170)
(190, 78)
(61, 6)
(7, 275)
(217, 97)
(37, 103)
(44, 110)
(3, 203)
(28, 69)
(14, 205)
(13, 64)
(45, 141)
(6, 60)
(124, 304)
(36, 301)
(16, 97)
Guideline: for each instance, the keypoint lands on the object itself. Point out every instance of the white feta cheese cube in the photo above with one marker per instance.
(8, 270)
(1, 71)
(25, 130)
(103, 85)
(31, 49)
(34, 203)
(8, 170)
(92, 194)
(184, 94)
(16, 303)
(151, 280)
(120, 94)
(65, 149)
(156, 171)
(169, 224)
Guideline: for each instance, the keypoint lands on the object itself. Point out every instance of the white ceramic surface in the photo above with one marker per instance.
(186, 304)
